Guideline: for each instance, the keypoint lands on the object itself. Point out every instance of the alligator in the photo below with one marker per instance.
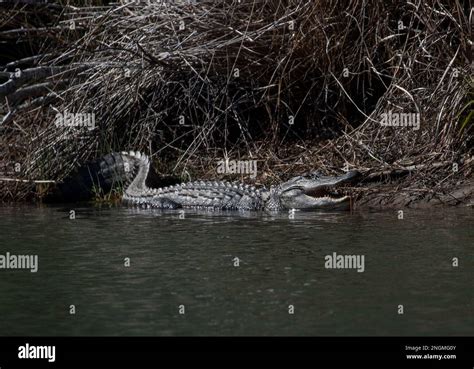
(306, 192)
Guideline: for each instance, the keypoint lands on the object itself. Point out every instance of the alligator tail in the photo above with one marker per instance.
(115, 171)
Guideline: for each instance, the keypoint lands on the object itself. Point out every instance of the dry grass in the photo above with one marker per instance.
(236, 75)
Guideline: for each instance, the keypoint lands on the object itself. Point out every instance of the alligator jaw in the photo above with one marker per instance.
(316, 192)
(323, 192)
(326, 202)
(328, 196)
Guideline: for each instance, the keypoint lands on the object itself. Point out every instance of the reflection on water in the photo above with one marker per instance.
(236, 273)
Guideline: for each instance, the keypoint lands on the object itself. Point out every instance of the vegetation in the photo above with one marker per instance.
(294, 84)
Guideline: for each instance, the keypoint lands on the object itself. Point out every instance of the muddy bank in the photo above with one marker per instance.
(425, 185)
(433, 187)
(389, 196)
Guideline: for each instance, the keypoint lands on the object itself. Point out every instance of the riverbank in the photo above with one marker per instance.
(421, 185)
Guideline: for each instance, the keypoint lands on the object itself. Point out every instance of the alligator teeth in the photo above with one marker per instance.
(336, 199)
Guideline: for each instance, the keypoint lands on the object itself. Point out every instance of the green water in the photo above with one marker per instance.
(190, 264)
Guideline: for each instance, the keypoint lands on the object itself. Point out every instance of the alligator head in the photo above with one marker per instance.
(314, 191)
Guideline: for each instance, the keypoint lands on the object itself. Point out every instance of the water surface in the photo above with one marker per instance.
(191, 263)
